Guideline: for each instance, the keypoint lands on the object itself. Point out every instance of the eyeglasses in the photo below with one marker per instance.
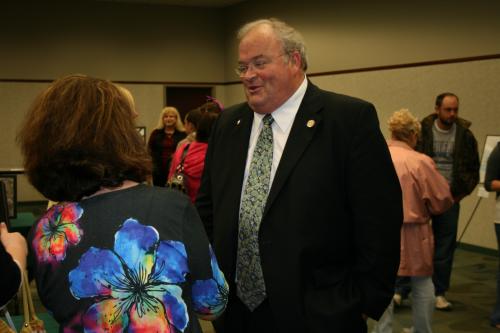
(255, 65)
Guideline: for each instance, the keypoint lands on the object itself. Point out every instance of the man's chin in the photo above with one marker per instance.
(254, 102)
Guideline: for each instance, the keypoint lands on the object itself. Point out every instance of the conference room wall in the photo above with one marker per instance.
(148, 46)
(144, 47)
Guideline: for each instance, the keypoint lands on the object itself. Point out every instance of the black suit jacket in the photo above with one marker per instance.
(330, 234)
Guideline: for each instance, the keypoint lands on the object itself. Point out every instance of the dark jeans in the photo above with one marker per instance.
(444, 227)
(495, 316)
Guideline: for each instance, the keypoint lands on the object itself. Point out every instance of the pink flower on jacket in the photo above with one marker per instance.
(56, 231)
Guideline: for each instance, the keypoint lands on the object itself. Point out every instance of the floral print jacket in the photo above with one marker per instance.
(133, 260)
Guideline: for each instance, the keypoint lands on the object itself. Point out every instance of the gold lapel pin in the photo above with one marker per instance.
(238, 122)
(310, 123)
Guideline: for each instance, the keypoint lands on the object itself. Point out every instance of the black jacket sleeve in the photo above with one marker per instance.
(10, 279)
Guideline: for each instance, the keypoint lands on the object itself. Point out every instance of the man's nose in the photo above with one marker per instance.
(249, 75)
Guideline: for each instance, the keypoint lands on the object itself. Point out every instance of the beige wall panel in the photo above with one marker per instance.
(149, 101)
(234, 94)
(476, 83)
(15, 99)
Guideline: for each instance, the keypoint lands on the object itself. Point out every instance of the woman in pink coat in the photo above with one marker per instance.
(425, 193)
(194, 160)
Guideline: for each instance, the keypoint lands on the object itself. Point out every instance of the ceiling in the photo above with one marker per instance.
(190, 3)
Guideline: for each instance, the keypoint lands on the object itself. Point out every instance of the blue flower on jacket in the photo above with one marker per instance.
(210, 296)
(135, 286)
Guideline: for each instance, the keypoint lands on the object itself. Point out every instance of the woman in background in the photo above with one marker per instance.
(163, 141)
(425, 193)
(193, 117)
(492, 183)
(191, 121)
(194, 160)
(114, 254)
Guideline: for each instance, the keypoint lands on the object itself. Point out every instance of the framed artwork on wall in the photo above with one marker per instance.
(142, 132)
(10, 182)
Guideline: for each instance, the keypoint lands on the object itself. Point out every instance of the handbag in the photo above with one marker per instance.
(178, 180)
(31, 324)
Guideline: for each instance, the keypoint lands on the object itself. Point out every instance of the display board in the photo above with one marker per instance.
(10, 182)
(490, 143)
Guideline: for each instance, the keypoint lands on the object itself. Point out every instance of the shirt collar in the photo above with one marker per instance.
(440, 130)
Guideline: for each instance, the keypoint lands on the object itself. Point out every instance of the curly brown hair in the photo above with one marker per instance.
(78, 136)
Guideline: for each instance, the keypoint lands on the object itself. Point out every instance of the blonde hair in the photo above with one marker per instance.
(128, 96)
(178, 124)
(403, 124)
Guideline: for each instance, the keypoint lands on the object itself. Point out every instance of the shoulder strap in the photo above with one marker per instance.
(184, 153)
(180, 167)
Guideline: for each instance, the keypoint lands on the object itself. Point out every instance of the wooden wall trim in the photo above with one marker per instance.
(409, 65)
(337, 72)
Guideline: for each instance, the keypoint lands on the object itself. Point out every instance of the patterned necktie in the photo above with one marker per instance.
(250, 285)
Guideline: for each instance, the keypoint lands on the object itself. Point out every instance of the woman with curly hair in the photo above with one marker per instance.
(114, 254)
(425, 193)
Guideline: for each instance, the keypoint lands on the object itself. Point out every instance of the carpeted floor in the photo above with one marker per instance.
(472, 293)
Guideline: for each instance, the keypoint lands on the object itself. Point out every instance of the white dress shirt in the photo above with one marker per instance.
(281, 126)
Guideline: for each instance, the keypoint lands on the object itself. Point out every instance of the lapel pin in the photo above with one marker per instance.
(310, 123)
(238, 122)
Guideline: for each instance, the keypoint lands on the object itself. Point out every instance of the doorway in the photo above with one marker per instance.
(186, 98)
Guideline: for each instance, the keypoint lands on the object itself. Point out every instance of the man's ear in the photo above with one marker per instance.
(296, 59)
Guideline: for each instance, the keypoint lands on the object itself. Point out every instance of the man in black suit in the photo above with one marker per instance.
(326, 215)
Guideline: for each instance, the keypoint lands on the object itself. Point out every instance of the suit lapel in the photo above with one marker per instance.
(240, 136)
(304, 126)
